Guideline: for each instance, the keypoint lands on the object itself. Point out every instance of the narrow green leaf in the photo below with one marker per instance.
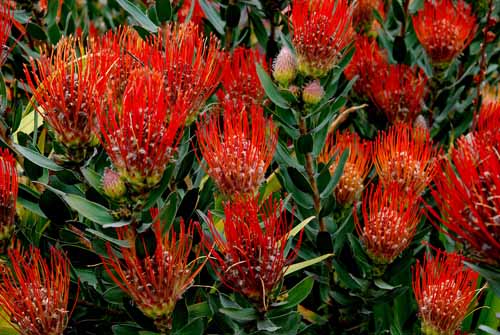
(299, 292)
(163, 10)
(302, 265)
(37, 158)
(339, 170)
(300, 226)
(194, 327)
(141, 18)
(91, 210)
(93, 178)
(271, 90)
(383, 285)
(212, 16)
(241, 314)
(120, 243)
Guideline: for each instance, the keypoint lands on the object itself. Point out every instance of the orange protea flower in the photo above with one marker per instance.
(468, 195)
(445, 291)
(363, 18)
(34, 293)
(321, 32)
(250, 258)
(6, 21)
(237, 149)
(140, 133)
(390, 218)
(367, 63)
(191, 64)
(65, 86)
(8, 196)
(356, 168)
(240, 81)
(405, 156)
(444, 28)
(398, 92)
(155, 281)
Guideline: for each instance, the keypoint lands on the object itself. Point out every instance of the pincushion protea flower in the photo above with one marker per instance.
(321, 32)
(405, 156)
(155, 281)
(445, 291)
(250, 258)
(191, 64)
(64, 85)
(184, 11)
(367, 62)
(8, 196)
(444, 29)
(6, 21)
(363, 18)
(240, 81)
(34, 293)
(140, 133)
(356, 168)
(390, 218)
(398, 92)
(237, 149)
(468, 195)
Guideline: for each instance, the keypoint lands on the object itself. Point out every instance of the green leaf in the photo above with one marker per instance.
(194, 327)
(157, 192)
(399, 13)
(54, 33)
(93, 178)
(240, 314)
(492, 276)
(339, 170)
(267, 325)
(271, 90)
(163, 10)
(37, 158)
(488, 330)
(212, 16)
(383, 285)
(300, 226)
(302, 265)
(120, 243)
(305, 144)
(141, 18)
(299, 292)
(91, 210)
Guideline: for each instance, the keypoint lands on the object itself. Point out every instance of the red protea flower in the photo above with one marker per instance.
(321, 32)
(8, 196)
(444, 28)
(155, 281)
(237, 149)
(445, 291)
(34, 293)
(390, 218)
(65, 87)
(184, 10)
(367, 62)
(140, 132)
(240, 81)
(6, 21)
(250, 258)
(356, 168)
(405, 156)
(489, 117)
(191, 64)
(363, 18)
(398, 92)
(468, 195)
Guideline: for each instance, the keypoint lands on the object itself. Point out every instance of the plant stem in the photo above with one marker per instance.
(312, 180)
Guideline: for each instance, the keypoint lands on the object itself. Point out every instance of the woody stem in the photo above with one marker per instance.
(312, 180)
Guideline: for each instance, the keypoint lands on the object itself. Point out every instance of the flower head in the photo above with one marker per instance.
(405, 156)
(313, 93)
(191, 64)
(140, 133)
(8, 195)
(240, 81)
(468, 195)
(356, 168)
(399, 92)
(6, 21)
(444, 29)
(445, 291)
(64, 84)
(237, 149)
(321, 32)
(285, 67)
(34, 293)
(250, 258)
(390, 218)
(184, 11)
(156, 281)
(367, 63)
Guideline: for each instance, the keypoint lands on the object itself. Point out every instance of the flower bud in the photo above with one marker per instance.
(285, 67)
(112, 185)
(421, 122)
(313, 93)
